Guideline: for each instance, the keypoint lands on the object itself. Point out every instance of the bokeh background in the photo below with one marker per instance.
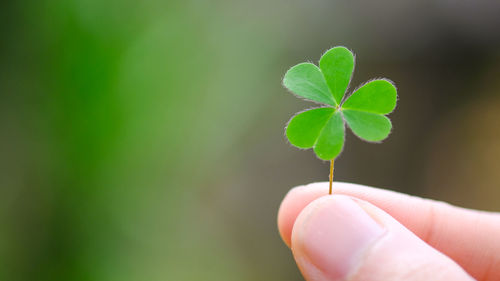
(144, 140)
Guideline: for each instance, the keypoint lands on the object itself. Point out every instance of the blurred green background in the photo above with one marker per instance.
(144, 140)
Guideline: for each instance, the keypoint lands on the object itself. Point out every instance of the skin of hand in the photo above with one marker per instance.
(365, 233)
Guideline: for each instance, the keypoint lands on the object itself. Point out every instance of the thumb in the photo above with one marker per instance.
(343, 238)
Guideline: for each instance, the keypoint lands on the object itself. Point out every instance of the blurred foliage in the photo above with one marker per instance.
(143, 140)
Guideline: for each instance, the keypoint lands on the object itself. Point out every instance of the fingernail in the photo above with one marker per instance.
(331, 236)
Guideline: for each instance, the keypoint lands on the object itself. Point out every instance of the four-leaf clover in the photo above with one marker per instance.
(323, 128)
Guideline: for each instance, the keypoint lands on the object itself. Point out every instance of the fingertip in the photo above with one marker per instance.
(294, 202)
(339, 237)
(330, 235)
(286, 211)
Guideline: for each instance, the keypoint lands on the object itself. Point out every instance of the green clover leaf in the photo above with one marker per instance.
(323, 128)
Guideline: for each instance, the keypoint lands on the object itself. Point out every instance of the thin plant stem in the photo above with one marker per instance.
(331, 176)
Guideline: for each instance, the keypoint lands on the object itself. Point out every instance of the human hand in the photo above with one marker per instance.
(363, 233)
